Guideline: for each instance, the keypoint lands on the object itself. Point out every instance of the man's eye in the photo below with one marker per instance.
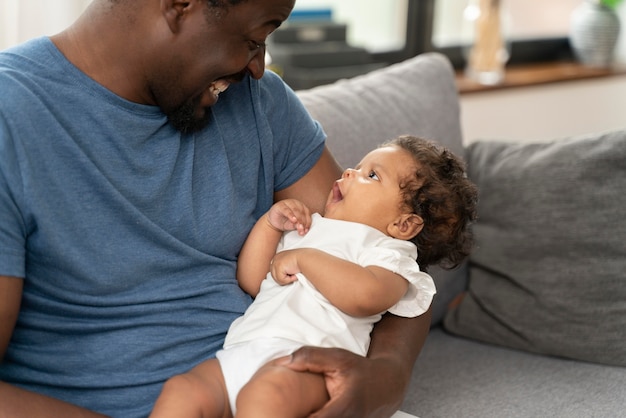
(372, 174)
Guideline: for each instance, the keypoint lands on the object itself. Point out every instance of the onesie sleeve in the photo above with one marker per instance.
(298, 140)
(419, 295)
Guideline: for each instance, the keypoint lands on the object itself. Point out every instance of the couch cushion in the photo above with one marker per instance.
(416, 97)
(549, 271)
(457, 377)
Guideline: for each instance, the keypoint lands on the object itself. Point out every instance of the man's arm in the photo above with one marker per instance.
(372, 386)
(359, 387)
(10, 302)
(15, 402)
(396, 344)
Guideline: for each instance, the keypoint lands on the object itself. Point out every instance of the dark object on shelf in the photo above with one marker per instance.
(308, 54)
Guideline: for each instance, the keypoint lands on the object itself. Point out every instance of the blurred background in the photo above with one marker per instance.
(334, 35)
(326, 40)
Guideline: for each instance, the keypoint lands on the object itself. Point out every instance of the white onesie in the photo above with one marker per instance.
(301, 315)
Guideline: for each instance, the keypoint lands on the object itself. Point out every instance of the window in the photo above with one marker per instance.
(526, 23)
(25, 19)
(393, 30)
(381, 27)
(388, 30)
(378, 27)
(534, 35)
(325, 40)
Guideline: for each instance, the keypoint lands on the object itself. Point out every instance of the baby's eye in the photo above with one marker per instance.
(372, 174)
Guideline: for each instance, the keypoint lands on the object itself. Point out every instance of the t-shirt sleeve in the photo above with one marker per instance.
(12, 252)
(298, 139)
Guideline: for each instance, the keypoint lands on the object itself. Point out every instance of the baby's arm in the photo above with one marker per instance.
(355, 290)
(260, 246)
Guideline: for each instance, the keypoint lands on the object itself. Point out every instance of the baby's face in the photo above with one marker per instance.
(370, 193)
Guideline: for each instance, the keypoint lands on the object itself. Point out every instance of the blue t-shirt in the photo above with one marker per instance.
(127, 231)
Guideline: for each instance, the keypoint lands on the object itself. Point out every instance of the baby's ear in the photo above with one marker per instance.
(406, 226)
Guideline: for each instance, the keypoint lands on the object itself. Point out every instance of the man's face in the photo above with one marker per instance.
(213, 48)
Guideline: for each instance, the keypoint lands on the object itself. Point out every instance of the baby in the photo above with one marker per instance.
(331, 278)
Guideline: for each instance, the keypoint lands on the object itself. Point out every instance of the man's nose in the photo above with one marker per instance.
(256, 65)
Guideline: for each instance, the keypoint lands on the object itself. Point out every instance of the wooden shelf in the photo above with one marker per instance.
(536, 74)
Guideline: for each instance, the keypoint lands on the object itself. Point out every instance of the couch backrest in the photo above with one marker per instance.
(416, 97)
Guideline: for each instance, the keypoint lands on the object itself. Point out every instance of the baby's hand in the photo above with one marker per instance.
(290, 214)
(284, 267)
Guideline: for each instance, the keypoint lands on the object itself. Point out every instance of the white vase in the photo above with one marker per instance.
(594, 29)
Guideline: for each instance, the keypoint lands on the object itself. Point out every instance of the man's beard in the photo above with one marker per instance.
(184, 117)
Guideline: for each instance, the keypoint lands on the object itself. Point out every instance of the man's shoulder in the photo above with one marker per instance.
(19, 56)
(24, 66)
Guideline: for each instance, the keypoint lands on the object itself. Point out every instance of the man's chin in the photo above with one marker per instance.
(189, 118)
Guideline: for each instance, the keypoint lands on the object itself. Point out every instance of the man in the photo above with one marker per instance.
(137, 149)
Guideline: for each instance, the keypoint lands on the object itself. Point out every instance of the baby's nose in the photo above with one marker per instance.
(348, 172)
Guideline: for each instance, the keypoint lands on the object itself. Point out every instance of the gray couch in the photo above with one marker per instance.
(541, 328)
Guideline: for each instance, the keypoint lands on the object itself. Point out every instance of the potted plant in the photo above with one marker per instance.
(611, 4)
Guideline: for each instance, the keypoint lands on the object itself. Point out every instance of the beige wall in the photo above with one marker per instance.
(545, 112)
(21, 20)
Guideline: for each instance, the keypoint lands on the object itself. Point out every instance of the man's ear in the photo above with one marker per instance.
(406, 226)
(172, 11)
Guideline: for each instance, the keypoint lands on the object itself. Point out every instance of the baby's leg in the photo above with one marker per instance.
(279, 392)
(201, 392)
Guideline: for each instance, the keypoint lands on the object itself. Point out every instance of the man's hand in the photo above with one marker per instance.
(372, 386)
(359, 387)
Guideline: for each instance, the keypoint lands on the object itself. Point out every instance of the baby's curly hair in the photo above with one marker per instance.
(444, 197)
